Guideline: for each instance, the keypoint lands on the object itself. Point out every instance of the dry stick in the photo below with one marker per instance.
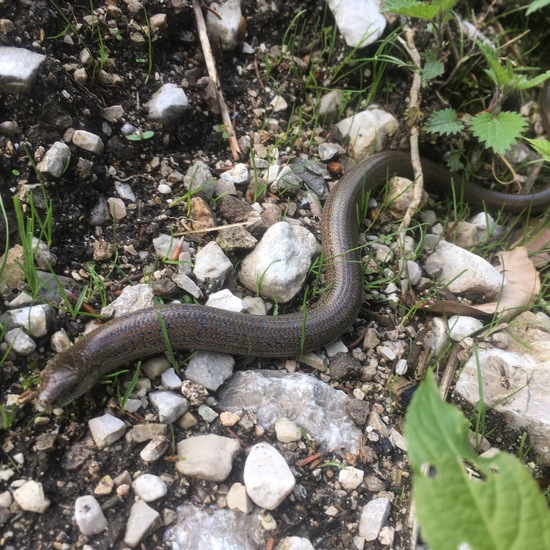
(413, 112)
(218, 228)
(213, 74)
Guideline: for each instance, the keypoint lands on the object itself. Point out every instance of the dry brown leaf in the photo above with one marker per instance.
(521, 289)
(537, 243)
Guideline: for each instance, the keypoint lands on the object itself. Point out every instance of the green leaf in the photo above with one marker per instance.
(432, 68)
(501, 76)
(523, 83)
(498, 132)
(148, 134)
(537, 5)
(501, 510)
(421, 10)
(505, 76)
(541, 146)
(454, 161)
(444, 122)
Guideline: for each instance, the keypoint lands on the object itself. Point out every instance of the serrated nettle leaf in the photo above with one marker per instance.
(502, 509)
(432, 68)
(498, 132)
(541, 146)
(444, 122)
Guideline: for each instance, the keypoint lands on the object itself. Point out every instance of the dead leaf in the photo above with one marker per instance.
(521, 289)
(536, 237)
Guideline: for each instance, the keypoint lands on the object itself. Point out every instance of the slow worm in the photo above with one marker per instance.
(123, 340)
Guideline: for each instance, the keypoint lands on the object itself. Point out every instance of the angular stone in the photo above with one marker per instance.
(106, 429)
(30, 497)
(88, 141)
(373, 517)
(208, 457)
(142, 520)
(89, 516)
(18, 69)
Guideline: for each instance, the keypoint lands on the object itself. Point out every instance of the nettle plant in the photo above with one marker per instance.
(497, 129)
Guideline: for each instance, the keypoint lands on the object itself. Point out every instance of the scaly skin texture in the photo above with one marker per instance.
(120, 341)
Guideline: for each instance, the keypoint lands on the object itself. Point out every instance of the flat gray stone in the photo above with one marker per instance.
(208, 529)
(310, 403)
(210, 369)
(516, 386)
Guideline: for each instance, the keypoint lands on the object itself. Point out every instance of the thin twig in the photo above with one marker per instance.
(413, 114)
(213, 74)
(217, 228)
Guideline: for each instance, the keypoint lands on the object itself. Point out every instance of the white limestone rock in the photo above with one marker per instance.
(170, 406)
(208, 457)
(373, 517)
(224, 30)
(89, 516)
(30, 497)
(467, 274)
(88, 141)
(168, 104)
(280, 262)
(143, 519)
(368, 131)
(267, 477)
(106, 429)
(360, 22)
(149, 487)
(516, 386)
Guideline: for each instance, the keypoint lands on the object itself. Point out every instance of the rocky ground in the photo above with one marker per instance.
(296, 453)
